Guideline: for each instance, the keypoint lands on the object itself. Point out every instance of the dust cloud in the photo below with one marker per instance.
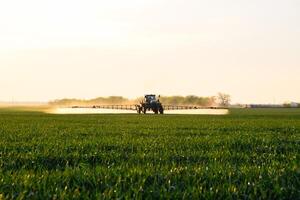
(111, 111)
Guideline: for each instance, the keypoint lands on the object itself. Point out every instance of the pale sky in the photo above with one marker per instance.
(52, 49)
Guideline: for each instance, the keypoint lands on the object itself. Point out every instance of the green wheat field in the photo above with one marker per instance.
(248, 154)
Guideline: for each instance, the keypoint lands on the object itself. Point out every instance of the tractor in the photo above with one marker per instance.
(150, 103)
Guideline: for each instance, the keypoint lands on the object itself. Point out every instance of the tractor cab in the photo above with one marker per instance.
(150, 98)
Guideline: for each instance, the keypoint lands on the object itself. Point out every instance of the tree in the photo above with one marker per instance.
(223, 99)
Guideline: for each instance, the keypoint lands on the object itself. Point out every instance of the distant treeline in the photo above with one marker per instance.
(171, 100)
(98, 100)
(188, 100)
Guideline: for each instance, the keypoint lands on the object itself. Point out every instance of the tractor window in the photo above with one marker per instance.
(149, 98)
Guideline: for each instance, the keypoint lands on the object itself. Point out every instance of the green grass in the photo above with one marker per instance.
(248, 154)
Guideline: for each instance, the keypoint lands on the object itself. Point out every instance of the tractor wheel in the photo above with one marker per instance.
(139, 110)
(155, 111)
(161, 110)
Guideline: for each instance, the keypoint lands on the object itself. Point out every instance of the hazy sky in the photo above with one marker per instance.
(87, 48)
